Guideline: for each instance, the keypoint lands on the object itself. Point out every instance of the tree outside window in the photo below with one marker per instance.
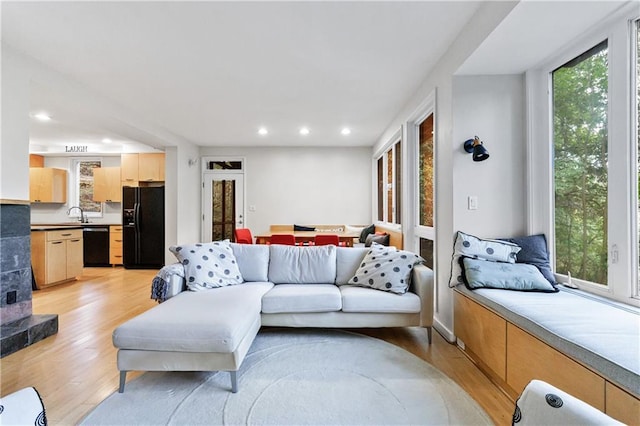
(84, 189)
(580, 131)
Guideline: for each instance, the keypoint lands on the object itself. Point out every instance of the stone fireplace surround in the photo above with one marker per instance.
(19, 328)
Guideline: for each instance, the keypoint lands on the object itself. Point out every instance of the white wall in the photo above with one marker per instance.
(182, 198)
(492, 107)
(19, 72)
(304, 185)
(440, 81)
(56, 213)
(14, 141)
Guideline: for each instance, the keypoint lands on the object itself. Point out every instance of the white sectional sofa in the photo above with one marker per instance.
(212, 330)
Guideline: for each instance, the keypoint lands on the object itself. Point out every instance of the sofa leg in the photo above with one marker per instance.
(429, 334)
(234, 381)
(123, 379)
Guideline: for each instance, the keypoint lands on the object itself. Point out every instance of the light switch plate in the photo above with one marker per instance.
(472, 202)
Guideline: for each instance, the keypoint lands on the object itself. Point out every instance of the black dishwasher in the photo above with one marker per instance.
(96, 245)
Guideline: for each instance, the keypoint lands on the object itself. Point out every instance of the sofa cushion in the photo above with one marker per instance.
(212, 321)
(361, 299)
(253, 261)
(286, 298)
(302, 265)
(208, 265)
(386, 268)
(348, 259)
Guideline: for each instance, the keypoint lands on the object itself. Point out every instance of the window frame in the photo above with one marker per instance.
(540, 181)
(388, 150)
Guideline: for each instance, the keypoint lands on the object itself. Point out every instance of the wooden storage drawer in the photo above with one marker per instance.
(483, 334)
(622, 405)
(66, 234)
(529, 358)
(115, 245)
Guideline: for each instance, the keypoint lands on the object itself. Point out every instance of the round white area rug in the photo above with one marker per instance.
(300, 377)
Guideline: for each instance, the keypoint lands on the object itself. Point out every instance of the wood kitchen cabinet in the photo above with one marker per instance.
(107, 186)
(56, 256)
(115, 244)
(47, 185)
(142, 167)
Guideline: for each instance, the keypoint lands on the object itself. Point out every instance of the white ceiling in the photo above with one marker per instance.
(214, 72)
(534, 32)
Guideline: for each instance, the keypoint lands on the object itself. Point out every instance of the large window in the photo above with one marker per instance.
(425, 143)
(580, 138)
(389, 171)
(584, 183)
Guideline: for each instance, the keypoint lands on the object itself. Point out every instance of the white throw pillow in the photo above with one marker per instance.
(477, 248)
(386, 268)
(208, 265)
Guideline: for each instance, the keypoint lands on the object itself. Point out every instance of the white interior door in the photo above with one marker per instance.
(223, 205)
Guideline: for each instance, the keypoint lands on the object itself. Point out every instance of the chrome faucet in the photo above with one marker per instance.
(82, 219)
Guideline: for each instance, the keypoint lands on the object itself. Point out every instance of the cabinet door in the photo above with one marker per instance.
(129, 169)
(36, 184)
(74, 258)
(47, 185)
(56, 261)
(107, 186)
(151, 167)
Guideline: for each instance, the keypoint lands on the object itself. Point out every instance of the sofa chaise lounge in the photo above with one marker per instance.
(288, 286)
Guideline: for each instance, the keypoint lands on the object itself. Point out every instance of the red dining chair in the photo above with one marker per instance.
(243, 236)
(326, 239)
(285, 239)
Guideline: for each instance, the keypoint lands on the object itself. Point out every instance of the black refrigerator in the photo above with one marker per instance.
(143, 227)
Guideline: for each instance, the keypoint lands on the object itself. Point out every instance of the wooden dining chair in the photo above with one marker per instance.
(285, 239)
(243, 236)
(326, 239)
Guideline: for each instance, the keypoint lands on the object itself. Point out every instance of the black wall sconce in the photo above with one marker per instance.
(476, 147)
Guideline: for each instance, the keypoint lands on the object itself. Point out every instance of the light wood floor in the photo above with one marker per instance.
(76, 369)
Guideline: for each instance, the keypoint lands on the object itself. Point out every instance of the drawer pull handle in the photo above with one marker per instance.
(74, 241)
(118, 241)
(57, 242)
(66, 235)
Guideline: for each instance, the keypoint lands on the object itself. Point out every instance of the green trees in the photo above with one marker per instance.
(580, 105)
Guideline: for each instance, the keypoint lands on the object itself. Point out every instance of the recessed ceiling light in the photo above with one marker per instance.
(263, 131)
(304, 131)
(42, 116)
(106, 140)
(346, 131)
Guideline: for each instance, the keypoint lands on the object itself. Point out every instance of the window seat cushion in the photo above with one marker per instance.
(599, 333)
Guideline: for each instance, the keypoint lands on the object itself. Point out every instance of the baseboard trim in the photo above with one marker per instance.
(444, 331)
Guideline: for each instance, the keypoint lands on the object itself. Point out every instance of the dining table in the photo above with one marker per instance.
(306, 237)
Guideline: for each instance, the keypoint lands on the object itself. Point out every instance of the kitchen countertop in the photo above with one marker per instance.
(66, 225)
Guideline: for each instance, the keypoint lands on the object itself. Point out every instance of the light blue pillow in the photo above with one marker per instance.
(478, 248)
(478, 273)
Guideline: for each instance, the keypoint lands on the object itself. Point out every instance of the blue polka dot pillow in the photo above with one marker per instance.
(386, 268)
(477, 248)
(208, 265)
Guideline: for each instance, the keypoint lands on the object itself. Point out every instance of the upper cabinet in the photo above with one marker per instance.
(47, 185)
(107, 186)
(143, 167)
